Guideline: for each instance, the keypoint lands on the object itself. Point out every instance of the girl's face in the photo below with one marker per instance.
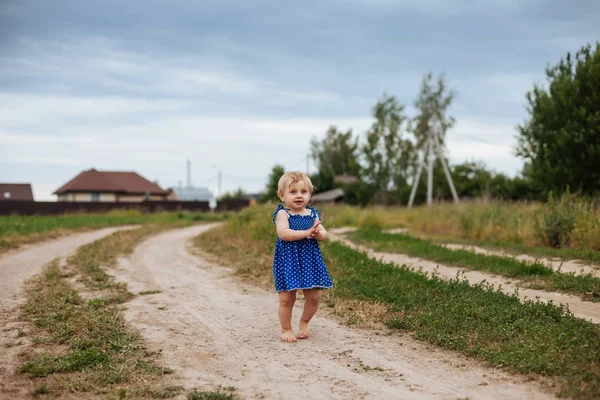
(296, 196)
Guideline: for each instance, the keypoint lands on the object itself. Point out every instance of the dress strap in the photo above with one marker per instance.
(279, 207)
(315, 213)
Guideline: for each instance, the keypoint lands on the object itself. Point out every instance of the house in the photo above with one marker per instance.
(329, 196)
(16, 192)
(253, 198)
(192, 193)
(110, 186)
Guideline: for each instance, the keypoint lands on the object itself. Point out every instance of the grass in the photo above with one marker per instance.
(576, 220)
(523, 337)
(227, 393)
(86, 345)
(517, 249)
(534, 274)
(16, 230)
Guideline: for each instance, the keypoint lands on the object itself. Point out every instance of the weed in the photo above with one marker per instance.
(221, 394)
(41, 389)
(147, 292)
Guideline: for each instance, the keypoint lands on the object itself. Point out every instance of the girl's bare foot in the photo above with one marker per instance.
(303, 333)
(287, 335)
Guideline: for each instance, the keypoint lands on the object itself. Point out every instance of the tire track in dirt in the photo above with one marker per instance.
(577, 267)
(16, 267)
(214, 330)
(582, 309)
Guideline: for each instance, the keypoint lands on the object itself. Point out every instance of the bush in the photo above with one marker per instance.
(555, 225)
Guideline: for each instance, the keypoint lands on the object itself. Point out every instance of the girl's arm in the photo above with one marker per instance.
(283, 228)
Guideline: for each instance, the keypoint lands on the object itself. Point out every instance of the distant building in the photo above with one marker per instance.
(16, 192)
(329, 196)
(110, 186)
(253, 198)
(194, 194)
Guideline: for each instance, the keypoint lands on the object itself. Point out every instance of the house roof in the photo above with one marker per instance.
(329, 195)
(193, 193)
(93, 180)
(16, 191)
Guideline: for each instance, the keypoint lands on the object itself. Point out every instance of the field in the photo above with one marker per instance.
(16, 230)
(480, 318)
(564, 227)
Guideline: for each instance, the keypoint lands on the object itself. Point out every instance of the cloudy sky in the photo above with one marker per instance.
(238, 86)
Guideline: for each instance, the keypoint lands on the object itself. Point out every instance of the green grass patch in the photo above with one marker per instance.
(147, 292)
(88, 342)
(523, 337)
(535, 274)
(227, 393)
(16, 229)
(517, 249)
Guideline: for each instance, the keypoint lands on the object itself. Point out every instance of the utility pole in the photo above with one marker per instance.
(219, 179)
(307, 159)
(188, 189)
(432, 149)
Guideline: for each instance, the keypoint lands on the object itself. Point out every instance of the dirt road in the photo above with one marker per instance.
(214, 330)
(580, 308)
(16, 266)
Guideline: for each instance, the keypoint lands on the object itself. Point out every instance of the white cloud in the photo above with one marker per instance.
(99, 63)
(445, 7)
(36, 110)
(485, 139)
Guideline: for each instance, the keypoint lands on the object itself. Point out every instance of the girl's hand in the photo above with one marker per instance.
(314, 231)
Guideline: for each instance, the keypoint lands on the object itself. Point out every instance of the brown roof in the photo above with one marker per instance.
(111, 182)
(329, 195)
(16, 191)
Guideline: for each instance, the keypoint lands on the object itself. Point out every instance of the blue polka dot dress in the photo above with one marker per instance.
(299, 264)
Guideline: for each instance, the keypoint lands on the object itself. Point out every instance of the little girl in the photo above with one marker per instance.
(298, 263)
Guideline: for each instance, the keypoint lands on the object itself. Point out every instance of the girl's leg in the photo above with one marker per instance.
(312, 296)
(286, 304)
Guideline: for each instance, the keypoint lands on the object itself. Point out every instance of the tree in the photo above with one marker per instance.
(386, 155)
(272, 186)
(335, 154)
(235, 195)
(471, 179)
(560, 141)
(432, 105)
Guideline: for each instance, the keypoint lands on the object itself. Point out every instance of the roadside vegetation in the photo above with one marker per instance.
(566, 227)
(81, 341)
(532, 274)
(529, 337)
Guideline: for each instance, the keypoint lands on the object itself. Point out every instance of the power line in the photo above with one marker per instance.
(482, 140)
(290, 166)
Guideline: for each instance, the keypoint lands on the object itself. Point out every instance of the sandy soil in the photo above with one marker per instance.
(583, 309)
(16, 266)
(215, 330)
(577, 267)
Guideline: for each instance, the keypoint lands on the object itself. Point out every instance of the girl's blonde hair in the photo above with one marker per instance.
(292, 177)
